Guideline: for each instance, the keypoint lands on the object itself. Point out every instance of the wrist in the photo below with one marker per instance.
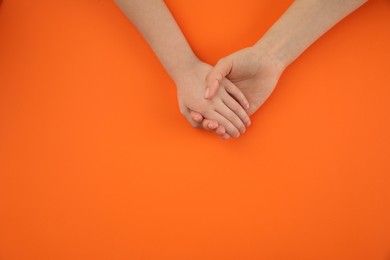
(271, 55)
(184, 69)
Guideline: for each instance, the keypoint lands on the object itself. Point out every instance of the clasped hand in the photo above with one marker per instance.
(234, 89)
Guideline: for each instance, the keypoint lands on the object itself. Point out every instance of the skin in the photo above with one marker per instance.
(227, 107)
(256, 70)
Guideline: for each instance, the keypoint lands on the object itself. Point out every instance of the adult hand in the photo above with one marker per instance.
(252, 70)
(256, 70)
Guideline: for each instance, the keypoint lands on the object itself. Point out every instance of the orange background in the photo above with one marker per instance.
(96, 161)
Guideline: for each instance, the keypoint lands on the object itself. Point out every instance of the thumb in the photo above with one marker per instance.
(215, 76)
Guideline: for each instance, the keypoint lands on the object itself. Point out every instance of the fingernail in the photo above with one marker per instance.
(206, 95)
(247, 106)
(249, 123)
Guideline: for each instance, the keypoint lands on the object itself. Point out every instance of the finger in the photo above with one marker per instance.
(187, 115)
(220, 130)
(222, 120)
(237, 109)
(215, 76)
(225, 111)
(210, 125)
(235, 92)
(197, 117)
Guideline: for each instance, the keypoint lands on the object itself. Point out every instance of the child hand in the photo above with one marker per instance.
(223, 109)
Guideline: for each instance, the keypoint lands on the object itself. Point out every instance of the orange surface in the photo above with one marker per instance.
(96, 161)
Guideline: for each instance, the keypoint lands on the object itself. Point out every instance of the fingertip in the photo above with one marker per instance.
(196, 117)
(220, 130)
(213, 125)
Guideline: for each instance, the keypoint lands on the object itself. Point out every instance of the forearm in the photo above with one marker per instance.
(154, 21)
(301, 25)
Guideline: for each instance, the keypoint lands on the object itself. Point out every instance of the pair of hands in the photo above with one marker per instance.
(246, 77)
(235, 89)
